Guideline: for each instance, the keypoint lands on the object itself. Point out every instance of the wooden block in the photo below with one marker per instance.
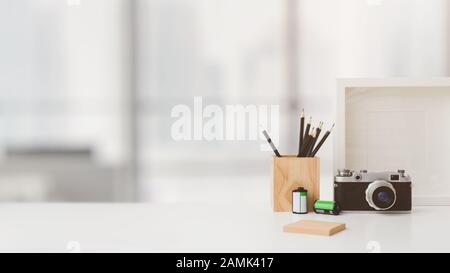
(314, 228)
(290, 173)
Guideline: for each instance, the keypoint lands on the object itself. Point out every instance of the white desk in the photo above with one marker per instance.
(151, 228)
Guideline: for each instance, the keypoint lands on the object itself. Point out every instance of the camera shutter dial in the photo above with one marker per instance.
(381, 195)
(345, 173)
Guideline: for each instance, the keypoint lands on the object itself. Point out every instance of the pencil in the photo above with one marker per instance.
(302, 131)
(308, 140)
(318, 132)
(313, 139)
(275, 150)
(306, 133)
(325, 137)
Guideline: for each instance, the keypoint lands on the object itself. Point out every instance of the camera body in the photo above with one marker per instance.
(373, 191)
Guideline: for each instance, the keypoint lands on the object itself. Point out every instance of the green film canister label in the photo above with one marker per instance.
(325, 205)
(304, 202)
(300, 201)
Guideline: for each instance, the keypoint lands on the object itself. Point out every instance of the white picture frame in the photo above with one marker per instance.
(344, 85)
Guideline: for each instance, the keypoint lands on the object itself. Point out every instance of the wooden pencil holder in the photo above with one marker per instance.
(291, 173)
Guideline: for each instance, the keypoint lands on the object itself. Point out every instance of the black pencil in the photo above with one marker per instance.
(313, 139)
(306, 133)
(308, 128)
(275, 150)
(325, 137)
(302, 132)
(308, 140)
(318, 132)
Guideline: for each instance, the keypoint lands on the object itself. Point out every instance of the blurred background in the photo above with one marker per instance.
(87, 87)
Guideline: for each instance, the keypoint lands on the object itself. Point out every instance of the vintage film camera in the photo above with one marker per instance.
(373, 191)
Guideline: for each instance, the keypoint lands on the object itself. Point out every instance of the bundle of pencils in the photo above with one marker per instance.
(308, 146)
(309, 136)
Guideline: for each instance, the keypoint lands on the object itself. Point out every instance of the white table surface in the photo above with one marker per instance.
(201, 228)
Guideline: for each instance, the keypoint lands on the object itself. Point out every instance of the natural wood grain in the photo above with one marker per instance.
(290, 173)
(315, 228)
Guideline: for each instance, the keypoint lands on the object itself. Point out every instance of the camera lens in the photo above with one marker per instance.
(384, 197)
(381, 195)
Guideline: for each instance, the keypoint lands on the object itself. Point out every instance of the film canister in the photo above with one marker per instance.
(300, 201)
(326, 207)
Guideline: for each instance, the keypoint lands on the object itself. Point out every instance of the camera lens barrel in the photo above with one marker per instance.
(381, 195)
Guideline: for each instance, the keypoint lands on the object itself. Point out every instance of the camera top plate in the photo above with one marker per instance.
(364, 176)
